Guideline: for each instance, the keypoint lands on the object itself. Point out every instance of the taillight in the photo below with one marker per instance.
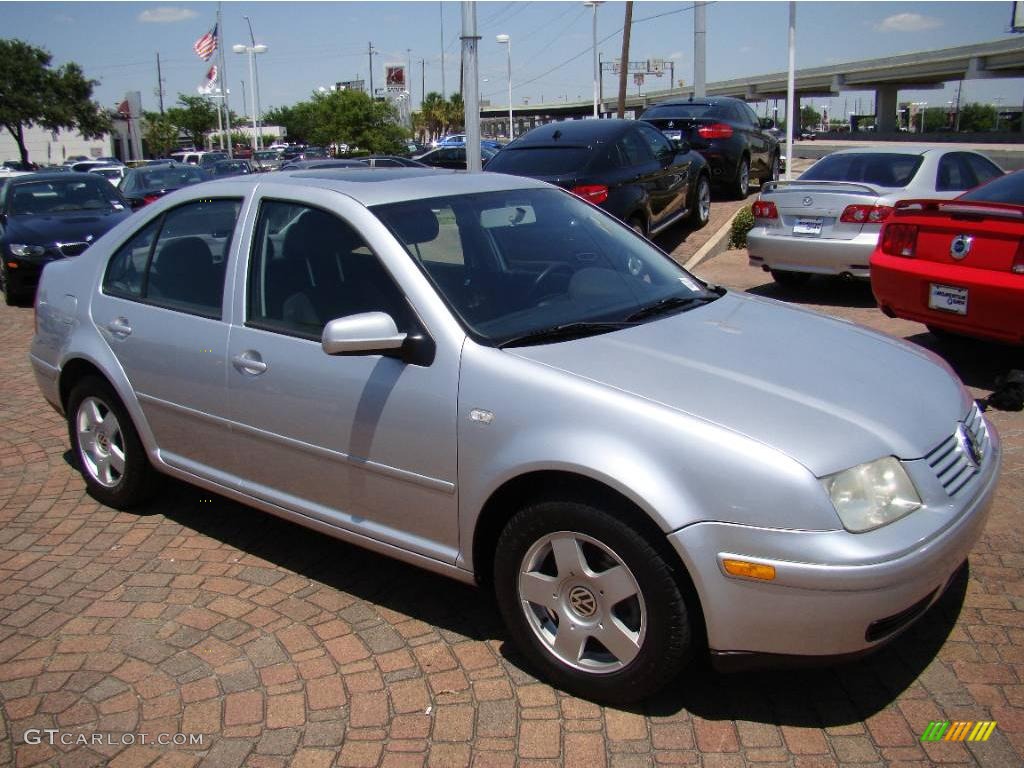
(1018, 260)
(899, 240)
(866, 214)
(715, 131)
(593, 193)
(764, 209)
(147, 199)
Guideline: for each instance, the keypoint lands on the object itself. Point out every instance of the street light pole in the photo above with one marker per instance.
(252, 50)
(506, 40)
(593, 4)
(257, 106)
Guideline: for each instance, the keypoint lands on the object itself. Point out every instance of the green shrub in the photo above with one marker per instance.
(742, 223)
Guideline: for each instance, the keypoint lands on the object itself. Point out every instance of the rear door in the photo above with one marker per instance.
(668, 183)
(758, 141)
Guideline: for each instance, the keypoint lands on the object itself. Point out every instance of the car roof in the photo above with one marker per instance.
(378, 186)
(573, 132)
(54, 176)
(906, 149)
(703, 100)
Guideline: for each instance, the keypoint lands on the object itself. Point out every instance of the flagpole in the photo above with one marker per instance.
(223, 77)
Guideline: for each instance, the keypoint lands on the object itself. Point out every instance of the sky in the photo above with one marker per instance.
(315, 44)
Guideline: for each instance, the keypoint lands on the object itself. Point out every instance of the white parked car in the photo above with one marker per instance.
(827, 221)
(112, 173)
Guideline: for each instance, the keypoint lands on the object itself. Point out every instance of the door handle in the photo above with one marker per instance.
(119, 327)
(249, 362)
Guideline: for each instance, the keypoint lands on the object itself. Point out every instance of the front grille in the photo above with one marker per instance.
(71, 249)
(952, 459)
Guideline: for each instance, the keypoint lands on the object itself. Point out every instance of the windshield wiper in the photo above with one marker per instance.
(564, 332)
(667, 305)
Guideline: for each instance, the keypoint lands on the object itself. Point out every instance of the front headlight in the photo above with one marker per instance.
(871, 495)
(20, 249)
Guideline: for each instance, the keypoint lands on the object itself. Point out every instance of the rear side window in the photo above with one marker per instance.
(540, 161)
(953, 174)
(982, 168)
(184, 268)
(1006, 189)
(885, 169)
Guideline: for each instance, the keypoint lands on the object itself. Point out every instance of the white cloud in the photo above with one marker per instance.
(60, 18)
(908, 22)
(164, 14)
(676, 55)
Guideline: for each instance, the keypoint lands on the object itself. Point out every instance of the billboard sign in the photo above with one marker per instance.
(394, 77)
(350, 85)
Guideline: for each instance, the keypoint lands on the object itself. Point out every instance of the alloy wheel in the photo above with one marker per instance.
(582, 602)
(101, 443)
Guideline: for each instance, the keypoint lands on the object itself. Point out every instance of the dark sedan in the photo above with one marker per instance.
(453, 157)
(48, 216)
(390, 161)
(300, 165)
(142, 186)
(624, 166)
(727, 132)
(224, 168)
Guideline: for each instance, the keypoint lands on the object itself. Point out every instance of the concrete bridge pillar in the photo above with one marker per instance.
(886, 106)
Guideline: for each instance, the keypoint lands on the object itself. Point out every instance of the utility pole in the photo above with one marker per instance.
(444, 92)
(159, 83)
(245, 109)
(471, 89)
(222, 78)
(408, 77)
(624, 68)
(369, 53)
(959, 88)
(600, 79)
(699, 52)
(423, 81)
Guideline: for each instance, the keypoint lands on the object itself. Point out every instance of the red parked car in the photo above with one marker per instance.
(956, 265)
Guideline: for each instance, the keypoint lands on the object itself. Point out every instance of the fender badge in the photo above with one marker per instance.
(481, 415)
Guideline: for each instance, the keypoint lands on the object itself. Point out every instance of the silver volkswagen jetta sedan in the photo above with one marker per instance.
(487, 377)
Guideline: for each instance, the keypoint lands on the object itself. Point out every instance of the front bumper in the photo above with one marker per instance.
(835, 593)
(901, 287)
(821, 256)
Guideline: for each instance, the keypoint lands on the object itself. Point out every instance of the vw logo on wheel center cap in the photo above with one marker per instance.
(582, 601)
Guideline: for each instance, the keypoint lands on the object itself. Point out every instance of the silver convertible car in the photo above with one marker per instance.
(490, 378)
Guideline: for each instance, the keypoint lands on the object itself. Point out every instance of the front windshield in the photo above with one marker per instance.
(59, 195)
(516, 262)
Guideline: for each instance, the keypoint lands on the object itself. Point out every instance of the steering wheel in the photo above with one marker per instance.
(547, 272)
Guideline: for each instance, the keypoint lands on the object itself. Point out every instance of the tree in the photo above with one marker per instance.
(935, 119)
(809, 117)
(297, 120)
(195, 117)
(353, 118)
(160, 134)
(977, 117)
(33, 93)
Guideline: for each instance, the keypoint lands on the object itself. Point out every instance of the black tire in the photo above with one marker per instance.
(790, 279)
(741, 181)
(954, 342)
(664, 642)
(700, 205)
(11, 298)
(773, 172)
(137, 480)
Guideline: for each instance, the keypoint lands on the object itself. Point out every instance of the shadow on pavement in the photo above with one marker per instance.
(821, 291)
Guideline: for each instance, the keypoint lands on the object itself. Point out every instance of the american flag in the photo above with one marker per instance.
(206, 45)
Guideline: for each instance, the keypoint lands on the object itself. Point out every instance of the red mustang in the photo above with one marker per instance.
(958, 265)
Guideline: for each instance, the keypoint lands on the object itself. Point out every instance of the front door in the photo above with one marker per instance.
(365, 443)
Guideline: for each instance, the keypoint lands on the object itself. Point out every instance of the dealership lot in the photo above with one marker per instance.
(276, 645)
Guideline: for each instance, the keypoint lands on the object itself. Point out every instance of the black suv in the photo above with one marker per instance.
(624, 166)
(727, 132)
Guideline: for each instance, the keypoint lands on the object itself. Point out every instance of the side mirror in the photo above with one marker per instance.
(766, 123)
(368, 333)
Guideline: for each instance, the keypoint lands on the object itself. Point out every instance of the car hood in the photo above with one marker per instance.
(828, 393)
(64, 227)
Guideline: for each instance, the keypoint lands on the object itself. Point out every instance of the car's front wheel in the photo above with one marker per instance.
(108, 450)
(592, 604)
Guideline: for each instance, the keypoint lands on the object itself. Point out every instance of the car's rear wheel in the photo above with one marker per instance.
(773, 171)
(700, 206)
(741, 182)
(592, 604)
(110, 455)
(790, 279)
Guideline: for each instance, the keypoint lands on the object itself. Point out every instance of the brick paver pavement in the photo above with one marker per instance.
(280, 646)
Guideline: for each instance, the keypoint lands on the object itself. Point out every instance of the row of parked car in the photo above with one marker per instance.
(939, 232)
